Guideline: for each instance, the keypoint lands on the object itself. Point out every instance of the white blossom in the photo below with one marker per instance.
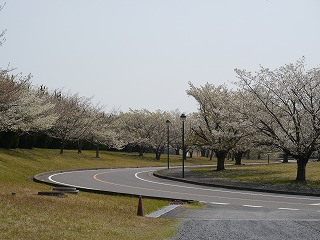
(284, 106)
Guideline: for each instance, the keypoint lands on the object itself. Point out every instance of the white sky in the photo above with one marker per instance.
(142, 53)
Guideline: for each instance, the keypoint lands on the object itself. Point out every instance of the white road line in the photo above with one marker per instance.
(224, 191)
(252, 206)
(315, 204)
(61, 183)
(219, 203)
(290, 209)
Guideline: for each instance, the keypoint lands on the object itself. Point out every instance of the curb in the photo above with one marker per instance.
(162, 211)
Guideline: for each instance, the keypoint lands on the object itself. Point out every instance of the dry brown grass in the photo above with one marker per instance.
(27, 215)
(86, 216)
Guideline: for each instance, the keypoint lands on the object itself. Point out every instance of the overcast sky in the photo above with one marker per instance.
(142, 53)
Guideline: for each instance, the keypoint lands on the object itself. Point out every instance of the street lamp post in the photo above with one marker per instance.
(183, 119)
(168, 126)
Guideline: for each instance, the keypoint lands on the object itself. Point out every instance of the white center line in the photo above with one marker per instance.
(315, 204)
(252, 206)
(290, 209)
(219, 203)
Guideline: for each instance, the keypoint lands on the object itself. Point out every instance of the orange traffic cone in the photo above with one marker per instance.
(140, 208)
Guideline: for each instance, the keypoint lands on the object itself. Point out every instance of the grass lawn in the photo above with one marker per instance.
(282, 173)
(27, 215)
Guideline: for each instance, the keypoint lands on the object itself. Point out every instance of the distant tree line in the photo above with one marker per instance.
(270, 110)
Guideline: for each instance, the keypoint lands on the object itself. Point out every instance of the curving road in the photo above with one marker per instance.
(140, 181)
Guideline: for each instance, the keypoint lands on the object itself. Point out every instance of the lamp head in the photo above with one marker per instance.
(183, 117)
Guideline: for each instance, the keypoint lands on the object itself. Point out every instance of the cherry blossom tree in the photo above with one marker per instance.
(23, 108)
(249, 137)
(175, 130)
(88, 122)
(11, 88)
(72, 122)
(284, 106)
(192, 140)
(34, 112)
(158, 136)
(217, 125)
(146, 129)
(105, 130)
(137, 128)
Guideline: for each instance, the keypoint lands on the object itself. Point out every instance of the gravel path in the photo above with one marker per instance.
(248, 229)
(232, 222)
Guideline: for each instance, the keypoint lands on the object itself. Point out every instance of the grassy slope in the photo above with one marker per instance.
(85, 216)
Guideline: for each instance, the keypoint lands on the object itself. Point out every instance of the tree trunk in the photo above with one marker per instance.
(259, 156)
(190, 154)
(97, 151)
(285, 158)
(80, 144)
(141, 151)
(129, 149)
(177, 151)
(62, 147)
(184, 154)
(301, 171)
(158, 155)
(207, 153)
(203, 153)
(221, 156)
(238, 157)
(211, 155)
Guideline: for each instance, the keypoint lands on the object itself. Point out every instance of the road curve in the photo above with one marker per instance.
(140, 181)
(230, 214)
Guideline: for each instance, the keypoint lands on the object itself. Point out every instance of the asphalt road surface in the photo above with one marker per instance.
(230, 214)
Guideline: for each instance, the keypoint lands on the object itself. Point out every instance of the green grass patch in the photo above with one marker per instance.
(85, 216)
(195, 205)
(282, 173)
